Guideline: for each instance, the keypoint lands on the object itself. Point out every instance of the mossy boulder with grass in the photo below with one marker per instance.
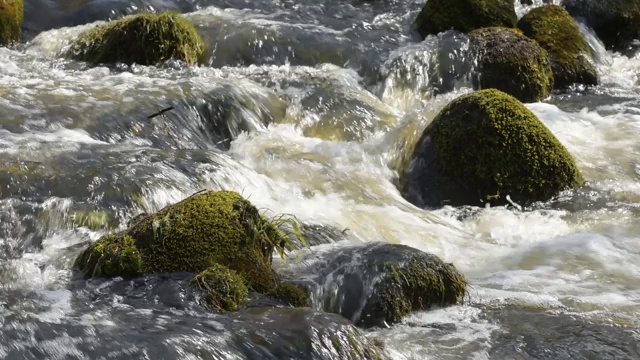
(558, 33)
(11, 17)
(464, 15)
(146, 39)
(203, 231)
(512, 63)
(482, 148)
(224, 289)
(616, 22)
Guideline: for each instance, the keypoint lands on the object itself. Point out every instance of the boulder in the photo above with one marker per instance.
(512, 63)
(379, 283)
(145, 39)
(11, 17)
(207, 229)
(616, 22)
(558, 33)
(464, 15)
(483, 147)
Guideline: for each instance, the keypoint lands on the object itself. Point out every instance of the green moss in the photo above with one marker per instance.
(208, 228)
(112, 255)
(418, 284)
(224, 288)
(11, 17)
(512, 63)
(146, 39)
(492, 145)
(464, 15)
(558, 33)
(291, 294)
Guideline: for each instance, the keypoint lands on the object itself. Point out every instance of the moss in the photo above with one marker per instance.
(224, 288)
(208, 228)
(493, 146)
(464, 15)
(146, 39)
(418, 284)
(616, 22)
(11, 17)
(112, 255)
(291, 294)
(512, 63)
(557, 32)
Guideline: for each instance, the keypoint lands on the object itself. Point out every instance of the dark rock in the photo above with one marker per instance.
(616, 22)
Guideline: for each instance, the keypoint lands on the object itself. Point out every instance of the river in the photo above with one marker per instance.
(303, 107)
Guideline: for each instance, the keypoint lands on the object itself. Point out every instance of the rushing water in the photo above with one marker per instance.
(304, 107)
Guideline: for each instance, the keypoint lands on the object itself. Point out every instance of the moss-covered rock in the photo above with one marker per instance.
(112, 255)
(417, 282)
(146, 39)
(213, 227)
(197, 233)
(557, 32)
(616, 22)
(291, 294)
(224, 288)
(464, 15)
(512, 63)
(11, 17)
(378, 283)
(483, 147)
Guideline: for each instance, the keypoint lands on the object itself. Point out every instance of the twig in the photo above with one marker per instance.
(161, 112)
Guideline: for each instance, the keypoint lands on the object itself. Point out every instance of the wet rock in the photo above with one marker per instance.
(300, 334)
(230, 110)
(616, 22)
(315, 234)
(11, 17)
(558, 33)
(512, 63)
(538, 333)
(483, 147)
(340, 114)
(146, 39)
(464, 15)
(380, 283)
(437, 65)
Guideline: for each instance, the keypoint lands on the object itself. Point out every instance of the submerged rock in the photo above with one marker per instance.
(146, 39)
(483, 147)
(300, 334)
(209, 233)
(464, 15)
(558, 33)
(512, 63)
(616, 22)
(380, 283)
(538, 333)
(11, 17)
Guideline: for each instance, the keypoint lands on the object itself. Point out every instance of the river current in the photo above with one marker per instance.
(304, 107)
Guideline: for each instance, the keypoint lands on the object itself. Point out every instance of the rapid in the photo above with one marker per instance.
(303, 107)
